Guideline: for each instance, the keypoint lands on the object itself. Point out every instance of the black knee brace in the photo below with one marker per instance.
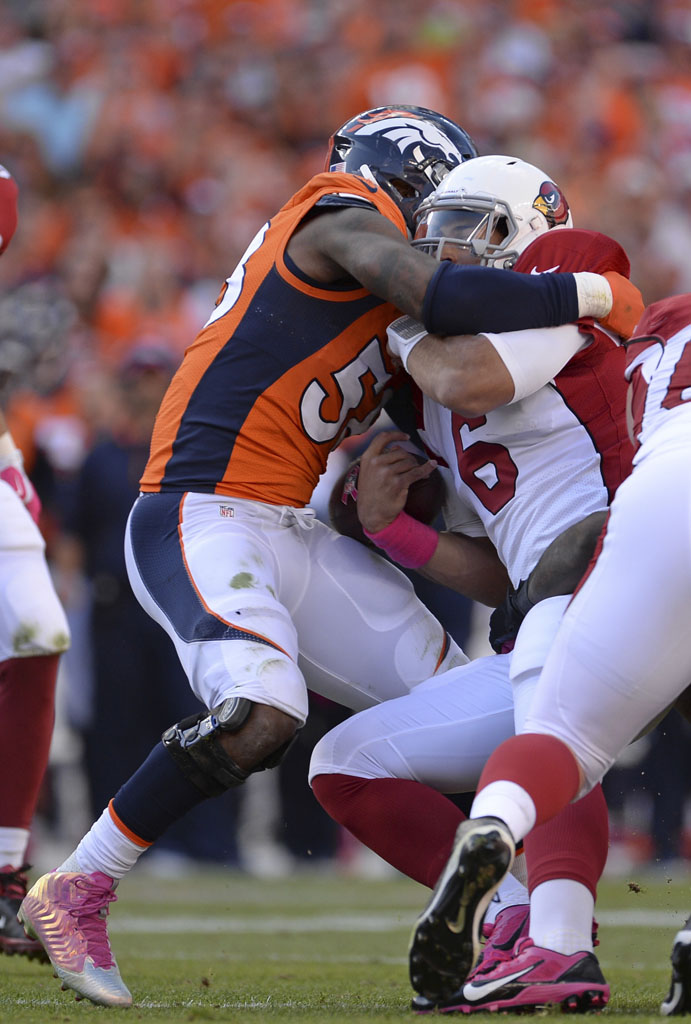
(194, 746)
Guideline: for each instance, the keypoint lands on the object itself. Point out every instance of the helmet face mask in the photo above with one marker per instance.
(488, 211)
(482, 229)
(408, 151)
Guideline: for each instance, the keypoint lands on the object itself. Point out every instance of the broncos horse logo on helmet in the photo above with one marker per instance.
(406, 150)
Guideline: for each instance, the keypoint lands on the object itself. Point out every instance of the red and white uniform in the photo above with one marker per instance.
(521, 474)
(623, 651)
(33, 633)
(32, 621)
(525, 472)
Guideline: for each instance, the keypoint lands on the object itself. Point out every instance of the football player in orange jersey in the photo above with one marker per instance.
(259, 598)
(33, 633)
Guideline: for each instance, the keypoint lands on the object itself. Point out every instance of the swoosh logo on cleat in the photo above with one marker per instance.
(474, 992)
(3, 921)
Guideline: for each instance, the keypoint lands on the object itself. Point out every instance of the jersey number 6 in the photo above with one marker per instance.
(485, 467)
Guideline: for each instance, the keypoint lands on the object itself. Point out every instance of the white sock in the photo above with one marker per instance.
(509, 894)
(508, 801)
(13, 844)
(561, 916)
(104, 848)
(519, 869)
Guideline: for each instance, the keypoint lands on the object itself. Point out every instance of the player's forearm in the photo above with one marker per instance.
(470, 566)
(564, 562)
(469, 300)
(464, 374)
(449, 299)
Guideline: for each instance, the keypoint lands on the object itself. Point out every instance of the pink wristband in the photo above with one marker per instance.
(407, 541)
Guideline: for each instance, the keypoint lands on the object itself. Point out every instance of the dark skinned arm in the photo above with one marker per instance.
(362, 245)
(357, 244)
(564, 562)
(558, 572)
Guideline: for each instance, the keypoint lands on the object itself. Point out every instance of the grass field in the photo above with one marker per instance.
(220, 946)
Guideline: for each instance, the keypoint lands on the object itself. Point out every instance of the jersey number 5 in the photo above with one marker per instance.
(354, 394)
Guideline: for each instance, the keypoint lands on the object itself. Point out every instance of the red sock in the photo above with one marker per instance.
(27, 714)
(542, 765)
(410, 825)
(572, 845)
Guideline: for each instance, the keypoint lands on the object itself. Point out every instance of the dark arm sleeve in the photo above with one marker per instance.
(468, 300)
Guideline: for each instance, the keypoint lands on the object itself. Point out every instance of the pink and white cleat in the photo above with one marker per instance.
(66, 911)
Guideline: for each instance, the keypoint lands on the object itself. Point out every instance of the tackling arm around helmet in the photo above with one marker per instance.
(353, 243)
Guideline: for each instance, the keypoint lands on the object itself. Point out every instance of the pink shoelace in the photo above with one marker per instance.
(90, 915)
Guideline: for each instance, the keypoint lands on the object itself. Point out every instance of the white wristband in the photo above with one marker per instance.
(594, 295)
(10, 455)
(403, 335)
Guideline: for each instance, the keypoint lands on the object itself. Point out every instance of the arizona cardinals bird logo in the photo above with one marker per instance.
(551, 202)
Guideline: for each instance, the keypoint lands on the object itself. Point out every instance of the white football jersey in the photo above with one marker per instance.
(659, 368)
(523, 473)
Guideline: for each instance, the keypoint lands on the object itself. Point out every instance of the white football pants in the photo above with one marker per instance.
(265, 601)
(623, 652)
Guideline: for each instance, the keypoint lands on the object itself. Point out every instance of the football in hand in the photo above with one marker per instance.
(424, 502)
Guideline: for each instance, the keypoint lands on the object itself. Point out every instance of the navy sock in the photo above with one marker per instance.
(155, 796)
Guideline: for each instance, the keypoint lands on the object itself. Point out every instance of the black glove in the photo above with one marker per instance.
(505, 620)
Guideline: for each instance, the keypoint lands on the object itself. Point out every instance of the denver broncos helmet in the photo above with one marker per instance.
(491, 208)
(406, 150)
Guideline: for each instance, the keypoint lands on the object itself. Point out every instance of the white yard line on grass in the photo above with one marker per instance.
(218, 925)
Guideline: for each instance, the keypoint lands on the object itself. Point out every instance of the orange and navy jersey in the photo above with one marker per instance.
(284, 369)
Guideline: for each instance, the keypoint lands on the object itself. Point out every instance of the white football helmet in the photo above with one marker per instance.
(491, 207)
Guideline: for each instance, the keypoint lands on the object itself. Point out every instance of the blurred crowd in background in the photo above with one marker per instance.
(152, 138)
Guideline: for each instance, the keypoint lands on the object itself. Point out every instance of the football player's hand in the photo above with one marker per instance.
(627, 305)
(19, 482)
(386, 472)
